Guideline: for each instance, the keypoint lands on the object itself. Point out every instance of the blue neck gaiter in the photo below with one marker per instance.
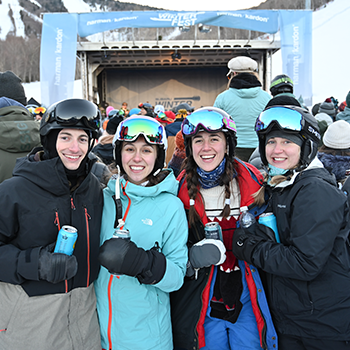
(210, 179)
(274, 171)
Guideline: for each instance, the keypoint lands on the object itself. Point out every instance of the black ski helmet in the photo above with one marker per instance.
(227, 126)
(74, 113)
(292, 120)
(281, 83)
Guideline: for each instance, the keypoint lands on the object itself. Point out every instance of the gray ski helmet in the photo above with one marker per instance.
(292, 120)
(210, 119)
(153, 132)
(74, 113)
(281, 83)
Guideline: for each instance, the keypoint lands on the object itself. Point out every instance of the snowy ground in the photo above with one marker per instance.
(330, 53)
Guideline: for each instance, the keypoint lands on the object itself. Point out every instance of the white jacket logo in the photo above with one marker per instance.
(147, 222)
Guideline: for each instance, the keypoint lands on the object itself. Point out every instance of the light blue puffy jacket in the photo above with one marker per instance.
(244, 105)
(140, 314)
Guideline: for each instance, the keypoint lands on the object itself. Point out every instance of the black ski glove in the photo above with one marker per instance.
(122, 257)
(245, 240)
(56, 267)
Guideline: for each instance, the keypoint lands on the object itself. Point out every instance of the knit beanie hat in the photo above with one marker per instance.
(347, 100)
(283, 100)
(343, 105)
(11, 87)
(337, 135)
(327, 107)
(113, 123)
(179, 141)
(315, 108)
(291, 136)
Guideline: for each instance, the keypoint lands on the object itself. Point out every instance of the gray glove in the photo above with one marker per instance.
(207, 252)
(56, 267)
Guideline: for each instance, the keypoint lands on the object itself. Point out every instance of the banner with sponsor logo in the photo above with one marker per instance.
(260, 20)
(296, 49)
(58, 57)
(59, 38)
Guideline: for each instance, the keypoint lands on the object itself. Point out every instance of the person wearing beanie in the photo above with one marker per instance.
(342, 106)
(244, 100)
(52, 191)
(181, 111)
(345, 114)
(19, 133)
(335, 152)
(104, 147)
(179, 154)
(11, 87)
(134, 111)
(327, 107)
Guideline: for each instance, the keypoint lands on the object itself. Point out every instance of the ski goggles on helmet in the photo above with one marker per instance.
(40, 110)
(77, 111)
(208, 120)
(131, 128)
(286, 118)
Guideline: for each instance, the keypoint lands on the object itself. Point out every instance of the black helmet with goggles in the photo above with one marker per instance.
(72, 113)
(292, 120)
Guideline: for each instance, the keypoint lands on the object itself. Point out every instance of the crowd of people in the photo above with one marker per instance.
(150, 203)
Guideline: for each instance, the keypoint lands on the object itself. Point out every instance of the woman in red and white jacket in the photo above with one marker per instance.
(222, 304)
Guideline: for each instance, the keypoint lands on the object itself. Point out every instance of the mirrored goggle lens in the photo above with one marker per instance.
(209, 120)
(72, 113)
(162, 115)
(40, 110)
(285, 117)
(131, 128)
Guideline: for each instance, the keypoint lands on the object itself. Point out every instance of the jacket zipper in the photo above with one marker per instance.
(109, 328)
(109, 291)
(87, 218)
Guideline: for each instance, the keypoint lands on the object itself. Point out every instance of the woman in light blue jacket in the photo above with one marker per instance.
(244, 100)
(137, 274)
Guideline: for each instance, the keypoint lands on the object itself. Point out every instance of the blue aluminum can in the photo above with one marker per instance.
(213, 230)
(269, 220)
(67, 236)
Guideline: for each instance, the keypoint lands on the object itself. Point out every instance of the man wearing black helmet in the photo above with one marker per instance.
(282, 84)
(48, 300)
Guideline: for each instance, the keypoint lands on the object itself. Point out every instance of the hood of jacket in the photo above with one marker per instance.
(317, 170)
(244, 81)
(345, 115)
(337, 164)
(19, 132)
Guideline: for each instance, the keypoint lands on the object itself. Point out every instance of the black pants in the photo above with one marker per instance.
(288, 342)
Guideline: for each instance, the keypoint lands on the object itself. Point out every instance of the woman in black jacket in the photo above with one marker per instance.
(308, 275)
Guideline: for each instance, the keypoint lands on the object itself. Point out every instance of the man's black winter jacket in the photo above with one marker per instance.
(34, 203)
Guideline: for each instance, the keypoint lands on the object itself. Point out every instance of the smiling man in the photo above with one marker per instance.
(51, 187)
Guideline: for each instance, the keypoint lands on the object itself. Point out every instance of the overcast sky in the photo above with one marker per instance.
(199, 5)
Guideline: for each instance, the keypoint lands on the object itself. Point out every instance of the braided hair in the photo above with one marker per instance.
(193, 185)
